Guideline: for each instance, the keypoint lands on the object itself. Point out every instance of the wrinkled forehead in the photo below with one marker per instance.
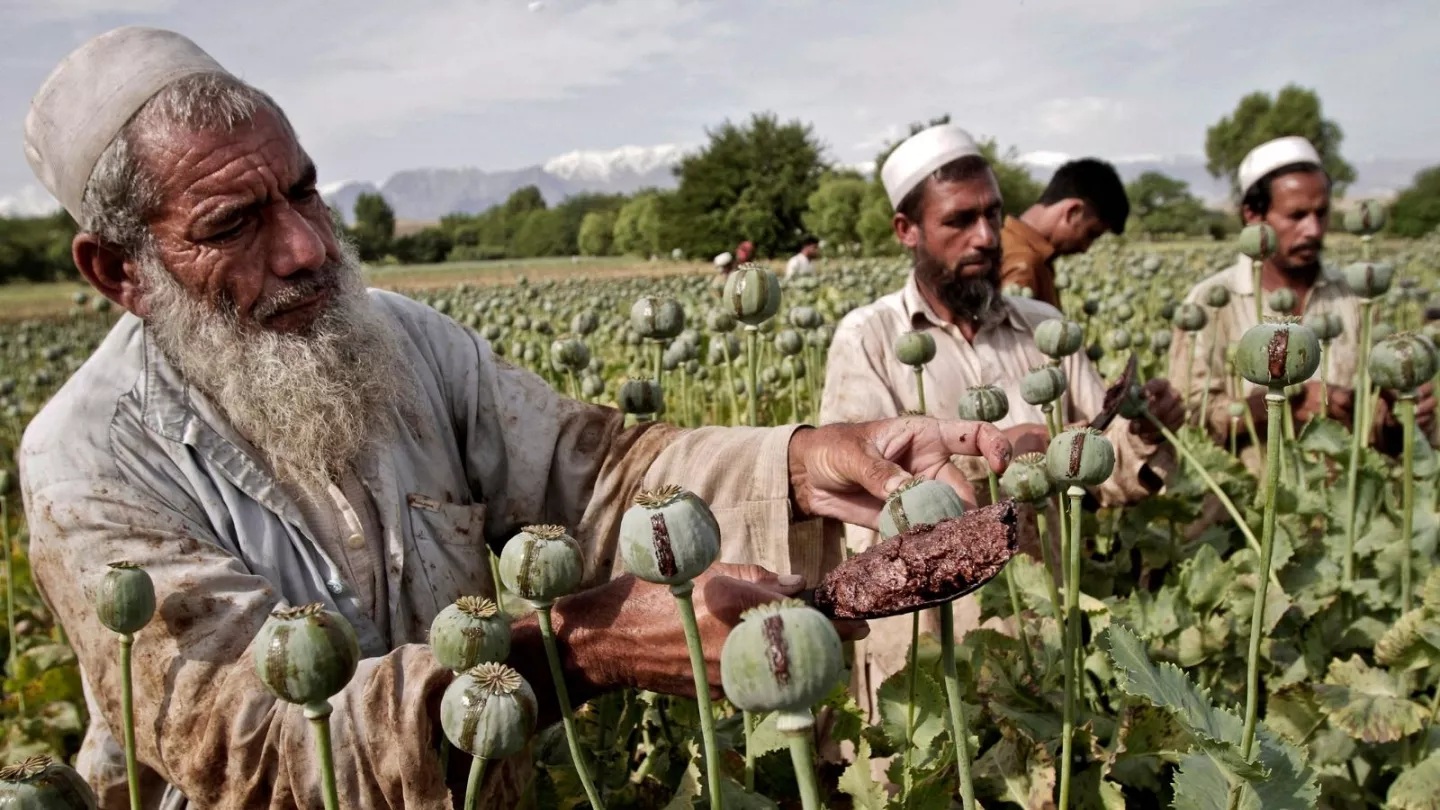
(945, 199)
(257, 158)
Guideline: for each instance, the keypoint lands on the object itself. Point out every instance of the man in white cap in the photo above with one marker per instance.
(260, 431)
(1282, 184)
(948, 215)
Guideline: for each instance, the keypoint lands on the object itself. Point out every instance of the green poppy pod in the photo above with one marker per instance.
(1278, 354)
(1369, 279)
(489, 711)
(569, 353)
(1217, 296)
(125, 599)
(1150, 264)
(1258, 241)
(1191, 318)
(40, 783)
(1122, 312)
(1042, 385)
(753, 294)
(1167, 311)
(804, 317)
(984, 403)
(584, 323)
(1057, 338)
(470, 632)
(542, 564)
(789, 342)
(1366, 218)
(1282, 300)
(1380, 331)
(1325, 325)
(657, 318)
(1160, 340)
(669, 536)
(720, 321)
(915, 348)
(917, 501)
(306, 654)
(641, 397)
(1062, 281)
(1091, 306)
(1080, 457)
(591, 386)
(1236, 409)
(783, 656)
(1403, 362)
(1117, 339)
(1026, 479)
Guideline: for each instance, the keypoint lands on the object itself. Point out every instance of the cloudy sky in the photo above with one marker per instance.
(375, 87)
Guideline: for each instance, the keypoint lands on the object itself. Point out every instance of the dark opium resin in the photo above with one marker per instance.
(928, 565)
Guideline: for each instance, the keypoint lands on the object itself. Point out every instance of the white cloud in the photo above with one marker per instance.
(29, 201)
(1068, 116)
(22, 11)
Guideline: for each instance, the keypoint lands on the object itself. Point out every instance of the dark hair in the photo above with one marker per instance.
(1258, 199)
(1095, 182)
(810, 239)
(969, 167)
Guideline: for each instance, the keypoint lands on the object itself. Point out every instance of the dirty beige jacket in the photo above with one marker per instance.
(865, 380)
(1210, 369)
(127, 462)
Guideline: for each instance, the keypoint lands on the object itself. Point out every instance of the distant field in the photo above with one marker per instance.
(24, 301)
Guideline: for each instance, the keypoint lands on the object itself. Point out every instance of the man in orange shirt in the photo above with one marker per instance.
(1084, 201)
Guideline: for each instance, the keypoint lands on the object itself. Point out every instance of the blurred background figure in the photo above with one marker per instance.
(799, 264)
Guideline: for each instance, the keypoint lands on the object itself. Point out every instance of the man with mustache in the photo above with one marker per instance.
(260, 431)
(1284, 186)
(947, 214)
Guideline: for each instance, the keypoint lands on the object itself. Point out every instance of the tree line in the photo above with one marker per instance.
(770, 182)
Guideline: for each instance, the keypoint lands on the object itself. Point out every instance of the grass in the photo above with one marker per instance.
(24, 301)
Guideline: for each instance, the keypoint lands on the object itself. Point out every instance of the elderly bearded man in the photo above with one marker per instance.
(947, 213)
(1282, 184)
(260, 430)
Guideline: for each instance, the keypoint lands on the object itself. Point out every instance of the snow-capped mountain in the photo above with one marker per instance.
(428, 194)
(605, 167)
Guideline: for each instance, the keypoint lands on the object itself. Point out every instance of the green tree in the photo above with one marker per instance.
(37, 248)
(1259, 118)
(573, 211)
(374, 226)
(597, 233)
(834, 209)
(523, 200)
(541, 233)
(1416, 211)
(1018, 188)
(1160, 204)
(751, 181)
(426, 246)
(637, 225)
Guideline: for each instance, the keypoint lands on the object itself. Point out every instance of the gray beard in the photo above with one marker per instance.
(310, 404)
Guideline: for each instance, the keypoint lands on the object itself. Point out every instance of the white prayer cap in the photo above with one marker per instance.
(921, 154)
(1272, 155)
(92, 94)
(723, 259)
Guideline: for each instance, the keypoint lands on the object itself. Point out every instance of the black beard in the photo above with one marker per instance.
(973, 298)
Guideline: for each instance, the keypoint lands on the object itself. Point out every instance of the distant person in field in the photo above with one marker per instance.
(1084, 201)
(947, 215)
(1283, 185)
(799, 264)
(259, 430)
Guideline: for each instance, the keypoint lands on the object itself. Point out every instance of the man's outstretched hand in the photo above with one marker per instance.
(845, 471)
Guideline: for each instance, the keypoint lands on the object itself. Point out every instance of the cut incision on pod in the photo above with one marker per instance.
(470, 632)
(669, 536)
(542, 564)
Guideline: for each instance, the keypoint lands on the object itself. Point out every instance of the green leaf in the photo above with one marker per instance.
(1293, 714)
(734, 795)
(1166, 686)
(930, 709)
(765, 737)
(1200, 784)
(865, 792)
(1407, 644)
(1418, 787)
(1367, 702)
(1205, 578)
(1018, 771)
(1325, 436)
(1430, 591)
